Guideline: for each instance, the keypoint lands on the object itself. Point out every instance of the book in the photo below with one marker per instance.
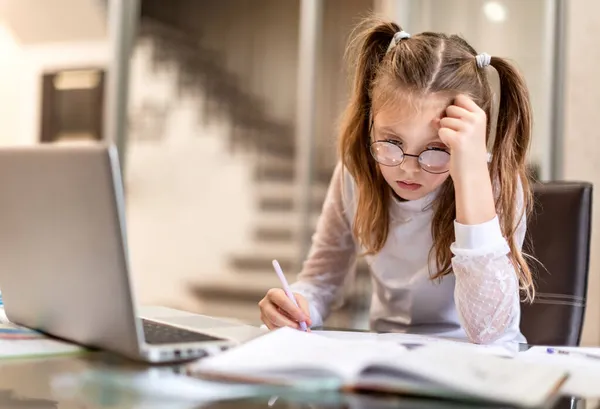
(36, 348)
(305, 360)
(506, 349)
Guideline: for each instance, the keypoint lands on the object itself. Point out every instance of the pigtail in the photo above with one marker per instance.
(364, 55)
(513, 135)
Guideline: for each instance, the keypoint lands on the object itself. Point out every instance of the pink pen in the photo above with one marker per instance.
(288, 291)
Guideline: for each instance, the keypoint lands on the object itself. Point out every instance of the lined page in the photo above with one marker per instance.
(481, 375)
(293, 351)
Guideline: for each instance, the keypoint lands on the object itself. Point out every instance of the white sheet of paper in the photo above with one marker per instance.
(348, 335)
(402, 338)
(584, 373)
(586, 350)
(408, 340)
(35, 347)
(287, 348)
(3, 318)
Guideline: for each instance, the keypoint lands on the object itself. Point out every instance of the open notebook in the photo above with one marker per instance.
(506, 349)
(291, 357)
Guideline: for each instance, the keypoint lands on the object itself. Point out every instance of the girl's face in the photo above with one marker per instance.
(414, 129)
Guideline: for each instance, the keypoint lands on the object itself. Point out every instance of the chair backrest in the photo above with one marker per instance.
(558, 235)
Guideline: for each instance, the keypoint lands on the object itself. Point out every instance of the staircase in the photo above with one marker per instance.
(270, 140)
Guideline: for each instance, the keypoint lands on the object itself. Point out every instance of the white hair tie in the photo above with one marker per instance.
(483, 60)
(400, 35)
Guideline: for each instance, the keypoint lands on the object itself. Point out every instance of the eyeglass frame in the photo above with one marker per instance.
(404, 154)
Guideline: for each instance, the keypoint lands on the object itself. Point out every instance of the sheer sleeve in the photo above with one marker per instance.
(332, 254)
(487, 286)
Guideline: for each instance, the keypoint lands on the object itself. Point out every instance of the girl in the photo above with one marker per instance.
(440, 220)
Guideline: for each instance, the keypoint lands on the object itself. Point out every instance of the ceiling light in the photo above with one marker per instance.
(495, 11)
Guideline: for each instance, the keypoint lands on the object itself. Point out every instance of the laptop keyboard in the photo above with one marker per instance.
(157, 334)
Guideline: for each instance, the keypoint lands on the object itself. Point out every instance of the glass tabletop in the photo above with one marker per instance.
(101, 380)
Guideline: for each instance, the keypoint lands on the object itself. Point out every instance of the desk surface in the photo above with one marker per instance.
(55, 383)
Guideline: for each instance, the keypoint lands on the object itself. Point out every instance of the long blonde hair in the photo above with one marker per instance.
(424, 64)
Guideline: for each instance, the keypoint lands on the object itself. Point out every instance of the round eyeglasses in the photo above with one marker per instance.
(432, 160)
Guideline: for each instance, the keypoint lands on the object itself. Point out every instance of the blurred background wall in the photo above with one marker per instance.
(581, 145)
(212, 148)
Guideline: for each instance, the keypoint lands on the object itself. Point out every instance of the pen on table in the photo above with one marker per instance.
(571, 353)
(287, 289)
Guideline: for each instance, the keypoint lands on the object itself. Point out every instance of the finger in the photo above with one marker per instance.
(447, 135)
(304, 307)
(466, 102)
(268, 323)
(282, 312)
(277, 319)
(454, 111)
(452, 123)
(281, 300)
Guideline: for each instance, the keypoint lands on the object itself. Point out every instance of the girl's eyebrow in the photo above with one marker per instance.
(389, 131)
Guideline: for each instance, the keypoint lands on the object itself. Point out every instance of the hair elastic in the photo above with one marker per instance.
(400, 35)
(483, 60)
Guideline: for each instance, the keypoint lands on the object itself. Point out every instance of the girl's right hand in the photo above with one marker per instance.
(277, 310)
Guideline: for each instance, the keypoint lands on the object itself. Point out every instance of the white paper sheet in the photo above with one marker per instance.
(3, 318)
(414, 340)
(584, 373)
(348, 335)
(35, 348)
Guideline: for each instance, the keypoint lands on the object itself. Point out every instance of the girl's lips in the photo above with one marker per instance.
(408, 185)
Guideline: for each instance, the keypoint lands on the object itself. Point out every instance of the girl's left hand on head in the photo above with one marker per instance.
(463, 130)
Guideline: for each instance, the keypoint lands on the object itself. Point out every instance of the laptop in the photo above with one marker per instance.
(64, 261)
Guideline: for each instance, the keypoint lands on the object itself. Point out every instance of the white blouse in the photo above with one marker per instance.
(479, 301)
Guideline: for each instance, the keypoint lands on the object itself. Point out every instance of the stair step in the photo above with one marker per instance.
(259, 267)
(288, 151)
(245, 312)
(242, 289)
(267, 160)
(274, 234)
(283, 189)
(287, 174)
(286, 165)
(278, 196)
(290, 220)
(249, 313)
(246, 136)
(258, 135)
(237, 295)
(253, 263)
(286, 204)
(285, 250)
(251, 290)
(202, 68)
